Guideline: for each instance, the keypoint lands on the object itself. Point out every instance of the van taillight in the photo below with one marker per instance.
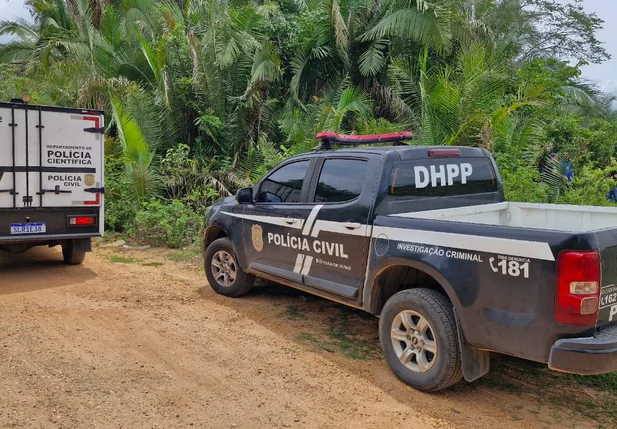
(82, 220)
(578, 288)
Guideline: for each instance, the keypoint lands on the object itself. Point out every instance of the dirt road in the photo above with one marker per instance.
(137, 340)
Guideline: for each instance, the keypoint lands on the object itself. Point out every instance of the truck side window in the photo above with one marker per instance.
(284, 185)
(341, 180)
(442, 177)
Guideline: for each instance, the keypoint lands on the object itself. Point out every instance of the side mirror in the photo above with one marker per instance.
(244, 196)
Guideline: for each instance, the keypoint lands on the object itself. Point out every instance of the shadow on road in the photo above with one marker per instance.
(37, 269)
(349, 338)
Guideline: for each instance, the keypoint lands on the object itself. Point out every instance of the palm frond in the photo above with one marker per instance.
(424, 26)
(97, 92)
(373, 60)
(20, 28)
(16, 51)
(266, 64)
(137, 155)
(338, 25)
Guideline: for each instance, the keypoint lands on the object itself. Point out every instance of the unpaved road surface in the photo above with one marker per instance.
(137, 340)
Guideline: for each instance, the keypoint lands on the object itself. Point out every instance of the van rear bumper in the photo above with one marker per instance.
(586, 356)
(56, 222)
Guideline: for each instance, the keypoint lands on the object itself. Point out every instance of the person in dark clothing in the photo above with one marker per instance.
(567, 167)
(553, 176)
(612, 194)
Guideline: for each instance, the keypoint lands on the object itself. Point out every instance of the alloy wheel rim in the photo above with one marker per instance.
(414, 341)
(224, 268)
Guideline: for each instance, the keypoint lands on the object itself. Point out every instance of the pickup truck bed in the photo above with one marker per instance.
(525, 215)
(502, 262)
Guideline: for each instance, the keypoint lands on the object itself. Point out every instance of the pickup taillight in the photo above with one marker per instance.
(444, 153)
(578, 288)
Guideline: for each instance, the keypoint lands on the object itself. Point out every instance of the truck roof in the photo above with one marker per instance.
(398, 149)
(405, 153)
(21, 105)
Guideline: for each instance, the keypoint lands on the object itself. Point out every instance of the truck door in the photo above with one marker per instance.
(338, 227)
(272, 226)
(72, 165)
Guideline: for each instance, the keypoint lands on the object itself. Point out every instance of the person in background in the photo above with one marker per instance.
(567, 167)
(558, 167)
(553, 176)
(612, 194)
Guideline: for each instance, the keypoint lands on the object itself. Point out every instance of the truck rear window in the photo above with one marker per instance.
(442, 177)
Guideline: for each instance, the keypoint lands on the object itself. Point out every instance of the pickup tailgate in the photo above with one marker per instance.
(607, 241)
(50, 157)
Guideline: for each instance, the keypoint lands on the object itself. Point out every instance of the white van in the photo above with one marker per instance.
(51, 178)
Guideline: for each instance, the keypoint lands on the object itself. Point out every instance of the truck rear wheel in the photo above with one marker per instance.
(417, 332)
(223, 272)
(72, 256)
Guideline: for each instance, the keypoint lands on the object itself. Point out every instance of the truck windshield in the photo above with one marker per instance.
(442, 177)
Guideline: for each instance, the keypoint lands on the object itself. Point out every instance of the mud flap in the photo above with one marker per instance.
(475, 362)
(82, 245)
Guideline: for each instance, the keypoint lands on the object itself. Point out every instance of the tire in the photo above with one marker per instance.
(230, 280)
(419, 366)
(70, 255)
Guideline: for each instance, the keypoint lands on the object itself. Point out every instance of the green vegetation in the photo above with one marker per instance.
(293, 313)
(116, 259)
(347, 340)
(517, 376)
(151, 264)
(343, 335)
(605, 382)
(189, 254)
(204, 96)
(122, 260)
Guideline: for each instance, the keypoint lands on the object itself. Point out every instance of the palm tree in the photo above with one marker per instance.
(463, 104)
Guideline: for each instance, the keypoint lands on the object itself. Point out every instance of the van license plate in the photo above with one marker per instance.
(28, 228)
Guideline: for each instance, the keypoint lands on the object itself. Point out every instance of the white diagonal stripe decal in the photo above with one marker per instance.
(308, 261)
(299, 263)
(504, 246)
(311, 219)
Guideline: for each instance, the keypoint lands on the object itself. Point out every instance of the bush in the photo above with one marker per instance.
(525, 185)
(189, 180)
(589, 188)
(120, 207)
(173, 220)
(119, 214)
(164, 223)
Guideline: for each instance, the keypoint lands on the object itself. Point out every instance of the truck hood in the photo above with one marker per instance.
(225, 201)
(216, 206)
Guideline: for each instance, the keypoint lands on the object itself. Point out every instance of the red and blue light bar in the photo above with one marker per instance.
(332, 137)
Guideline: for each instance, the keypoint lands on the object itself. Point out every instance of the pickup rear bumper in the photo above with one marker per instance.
(586, 356)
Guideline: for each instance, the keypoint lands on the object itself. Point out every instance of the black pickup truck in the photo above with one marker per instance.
(422, 237)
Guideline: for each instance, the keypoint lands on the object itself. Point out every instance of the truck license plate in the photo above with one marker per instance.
(608, 296)
(28, 228)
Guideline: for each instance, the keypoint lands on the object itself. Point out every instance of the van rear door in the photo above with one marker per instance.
(50, 157)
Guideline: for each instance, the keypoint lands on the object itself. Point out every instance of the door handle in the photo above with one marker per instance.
(352, 225)
(290, 221)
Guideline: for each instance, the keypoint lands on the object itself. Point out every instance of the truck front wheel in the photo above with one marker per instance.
(417, 331)
(71, 255)
(223, 272)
